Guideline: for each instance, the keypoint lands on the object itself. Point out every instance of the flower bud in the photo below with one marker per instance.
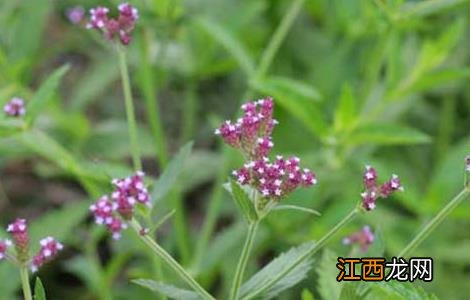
(20, 236)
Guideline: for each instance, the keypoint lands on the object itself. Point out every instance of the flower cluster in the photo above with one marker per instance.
(128, 192)
(19, 233)
(4, 245)
(120, 27)
(467, 163)
(76, 14)
(49, 249)
(15, 107)
(252, 132)
(364, 238)
(373, 191)
(275, 179)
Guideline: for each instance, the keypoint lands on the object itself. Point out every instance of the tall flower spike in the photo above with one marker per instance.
(49, 249)
(372, 191)
(4, 245)
(364, 238)
(20, 236)
(251, 134)
(15, 107)
(120, 28)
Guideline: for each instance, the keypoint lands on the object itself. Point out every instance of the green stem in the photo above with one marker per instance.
(242, 262)
(278, 37)
(25, 283)
(173, 264)
(126, 87)
(438, 219)
(309, 252)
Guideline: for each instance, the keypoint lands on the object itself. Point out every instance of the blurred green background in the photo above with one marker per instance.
(382, 82)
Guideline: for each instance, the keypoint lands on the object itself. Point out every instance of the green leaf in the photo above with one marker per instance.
(39, 293)
(174, 169)
(328, 286)
(226, 39)
(297, 208)
(306, 295)
(346, 110)
(424, 8)
(265, 282)
(10, 126)
(44, 94)
(399, 290)
(244, 203)
(167, 290)
(387, 134)
(304, 109)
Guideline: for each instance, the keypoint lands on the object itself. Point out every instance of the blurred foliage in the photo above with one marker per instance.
(381, 82)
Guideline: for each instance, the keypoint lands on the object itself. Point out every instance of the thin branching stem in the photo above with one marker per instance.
(170, 261)
(243, 260)
(130, 112)
(25, 282)
(308, 253)
(438, 219)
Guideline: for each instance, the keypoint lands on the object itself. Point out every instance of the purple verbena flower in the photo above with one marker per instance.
(113, 211)
(467, 163)
(15, 107)
(4, 245)
(76, 14)
(19, 233)
(115, 28)
(49, 249)
(277, 179)
(364, 238)
(372, 191)
(252, 132)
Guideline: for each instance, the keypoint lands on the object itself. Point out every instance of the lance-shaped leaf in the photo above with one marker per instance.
(39, 293)
(266, 283)
(174, 169)
(243, 201)
(44, 94)
(167, 290)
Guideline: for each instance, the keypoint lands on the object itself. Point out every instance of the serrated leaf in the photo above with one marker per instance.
(227, 40)
(328, 286)
(266, 283)
(243, 202)
(174, 169)
(167, 290)
(303, 109)
(39, 292)
(387, 134)
(43, 95)
(399, 290)
(346, 110)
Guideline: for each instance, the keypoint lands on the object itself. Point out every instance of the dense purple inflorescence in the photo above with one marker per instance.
(373, 191)
(364, 238)
(110, 211)
(251, 134)
(114, 28)
(15, 107)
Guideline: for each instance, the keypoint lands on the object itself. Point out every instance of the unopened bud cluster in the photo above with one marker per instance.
(15, 107)
(115, 210)
(251, 134)
(18, 230)
(114, 28)
(364, 238)
(373, 190)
